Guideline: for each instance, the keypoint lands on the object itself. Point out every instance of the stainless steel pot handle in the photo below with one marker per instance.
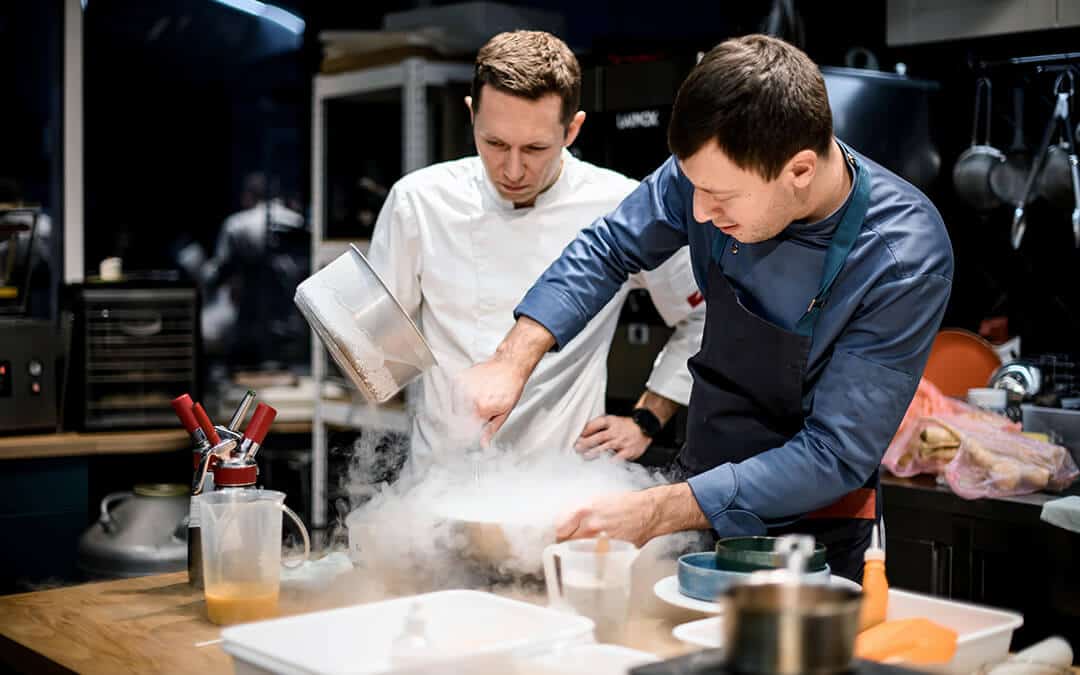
(1059, 116)
(1067, 139)
(108, 523)
(798, 548)
(983, 92)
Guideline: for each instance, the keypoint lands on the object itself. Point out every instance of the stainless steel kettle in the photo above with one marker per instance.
(777, 623)
(138, 533)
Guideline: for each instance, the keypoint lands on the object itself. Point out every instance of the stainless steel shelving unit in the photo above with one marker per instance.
(412, 77)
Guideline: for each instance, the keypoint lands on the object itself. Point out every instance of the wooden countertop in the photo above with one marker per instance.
(155, 624)
(74, 443)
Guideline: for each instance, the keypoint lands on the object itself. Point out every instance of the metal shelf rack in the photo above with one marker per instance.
(412, 77)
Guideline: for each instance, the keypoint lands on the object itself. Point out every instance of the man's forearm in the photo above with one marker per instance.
(525, 345)
(675, 509)
(664, 408)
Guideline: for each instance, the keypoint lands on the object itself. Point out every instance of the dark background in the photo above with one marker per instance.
(183, 98)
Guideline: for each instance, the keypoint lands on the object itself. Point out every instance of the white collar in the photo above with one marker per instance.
(549, 196)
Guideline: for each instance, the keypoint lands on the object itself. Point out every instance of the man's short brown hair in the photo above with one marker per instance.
(760, 98)
(530, 64)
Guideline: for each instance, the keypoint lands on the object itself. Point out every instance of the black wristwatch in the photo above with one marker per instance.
(649, 423)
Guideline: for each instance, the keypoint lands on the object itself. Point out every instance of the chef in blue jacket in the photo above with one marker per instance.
(825, 277)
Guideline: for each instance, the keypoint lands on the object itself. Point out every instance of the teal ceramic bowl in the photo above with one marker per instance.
(749, 554)
(699, 578)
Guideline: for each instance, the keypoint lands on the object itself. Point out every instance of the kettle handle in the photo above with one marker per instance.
(108, 523)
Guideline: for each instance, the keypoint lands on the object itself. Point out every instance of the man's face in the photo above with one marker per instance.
(736, 201)
(520, 142)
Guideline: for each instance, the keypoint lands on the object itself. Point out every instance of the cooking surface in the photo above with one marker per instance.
(152, 624)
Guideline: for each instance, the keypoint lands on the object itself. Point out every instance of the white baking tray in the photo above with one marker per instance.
(459, 626)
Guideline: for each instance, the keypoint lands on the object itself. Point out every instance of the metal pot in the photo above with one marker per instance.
(1008, 179)
(138, 533)
(1059, 181)
(363, 326)
(1059, 120)
(971, 173)
(777, 623)
(1021, 380)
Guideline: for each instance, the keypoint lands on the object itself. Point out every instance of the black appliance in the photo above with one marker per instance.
(710, 662)
(28, 347)
(887, 118)
(135, 346)
(28, 383)
(629, 107)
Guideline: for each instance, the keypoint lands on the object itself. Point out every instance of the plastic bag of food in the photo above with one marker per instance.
(995, 462)
(918, 447)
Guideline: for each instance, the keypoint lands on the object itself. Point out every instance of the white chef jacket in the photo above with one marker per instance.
(459, 257)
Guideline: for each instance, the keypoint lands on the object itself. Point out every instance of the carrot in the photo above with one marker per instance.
(917, 641)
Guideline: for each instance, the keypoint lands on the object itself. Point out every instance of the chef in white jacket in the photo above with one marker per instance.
(459, 243)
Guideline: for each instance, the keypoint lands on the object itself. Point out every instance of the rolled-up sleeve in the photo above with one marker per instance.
(642, 232)
(856, 406)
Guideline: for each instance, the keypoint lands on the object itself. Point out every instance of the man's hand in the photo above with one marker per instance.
(636, 517)
(611, 433)
(491, 389)
(630, 516)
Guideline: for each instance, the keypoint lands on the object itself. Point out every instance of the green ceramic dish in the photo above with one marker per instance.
(749, 554)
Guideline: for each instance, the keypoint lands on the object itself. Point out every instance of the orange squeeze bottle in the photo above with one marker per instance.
(875, 586)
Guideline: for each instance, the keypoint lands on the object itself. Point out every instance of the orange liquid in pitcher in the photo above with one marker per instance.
(237, 603)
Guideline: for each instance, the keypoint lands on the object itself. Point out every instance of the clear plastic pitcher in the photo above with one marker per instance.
(584, 578)
(241, 549)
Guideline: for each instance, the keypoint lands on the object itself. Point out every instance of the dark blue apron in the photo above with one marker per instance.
(750, 383)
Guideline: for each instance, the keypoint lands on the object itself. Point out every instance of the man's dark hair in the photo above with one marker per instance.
(530, 64)
(761, 99)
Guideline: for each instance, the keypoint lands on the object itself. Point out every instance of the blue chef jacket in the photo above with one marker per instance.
(868, 350)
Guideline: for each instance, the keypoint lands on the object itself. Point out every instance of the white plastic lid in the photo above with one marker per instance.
(984, 397)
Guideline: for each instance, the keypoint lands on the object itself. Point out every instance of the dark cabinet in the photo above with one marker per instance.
(920, 565)
(994, 552)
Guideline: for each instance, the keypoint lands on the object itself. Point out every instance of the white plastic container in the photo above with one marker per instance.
(983, 634)
(587, 659)
(458, 626)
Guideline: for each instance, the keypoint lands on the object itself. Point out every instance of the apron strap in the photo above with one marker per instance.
(843, 239)
(860, 504)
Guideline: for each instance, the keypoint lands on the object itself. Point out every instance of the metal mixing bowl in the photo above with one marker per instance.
(364, 327)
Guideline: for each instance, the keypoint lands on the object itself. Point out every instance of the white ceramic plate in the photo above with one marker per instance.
(702, 633)
(667, 589)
